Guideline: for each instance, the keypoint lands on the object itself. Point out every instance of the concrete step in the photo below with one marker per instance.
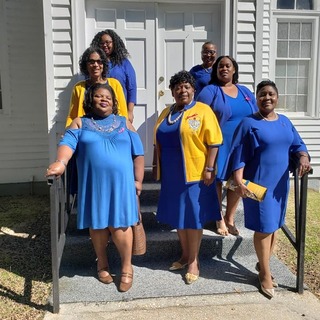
(226, 263)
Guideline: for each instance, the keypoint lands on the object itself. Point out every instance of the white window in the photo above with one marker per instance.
(296, 56)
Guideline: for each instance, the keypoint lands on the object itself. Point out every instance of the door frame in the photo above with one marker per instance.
(228, 28)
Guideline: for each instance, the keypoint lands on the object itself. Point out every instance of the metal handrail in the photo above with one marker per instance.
(58, 222)
(298, 239)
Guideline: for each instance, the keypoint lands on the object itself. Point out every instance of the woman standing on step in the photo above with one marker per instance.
(109, 155)
(119, 66)
(231, 102)
(187, 137)
(260, 153)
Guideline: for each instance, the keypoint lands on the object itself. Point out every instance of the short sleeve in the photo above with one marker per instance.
(136, 144)
(70, 138)
(243, 147)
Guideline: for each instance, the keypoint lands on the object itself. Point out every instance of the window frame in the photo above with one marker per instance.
(309, 16)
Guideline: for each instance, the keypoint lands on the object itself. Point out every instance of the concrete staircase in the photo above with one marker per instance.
(226, 263)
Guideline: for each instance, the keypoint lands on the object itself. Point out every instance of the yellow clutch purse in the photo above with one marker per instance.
(257, 192)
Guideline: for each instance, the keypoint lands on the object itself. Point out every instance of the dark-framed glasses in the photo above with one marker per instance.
(92, 62)
(209, 52)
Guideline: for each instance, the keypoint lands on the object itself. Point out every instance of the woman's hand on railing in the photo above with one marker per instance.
(55, 169)
(304, 164)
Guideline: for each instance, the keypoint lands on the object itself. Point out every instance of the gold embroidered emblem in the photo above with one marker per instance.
(194, 124)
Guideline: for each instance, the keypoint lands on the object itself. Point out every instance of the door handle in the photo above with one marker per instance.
(161, 93)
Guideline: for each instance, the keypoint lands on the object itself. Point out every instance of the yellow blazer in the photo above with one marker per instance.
(199, 130)
(77, 98)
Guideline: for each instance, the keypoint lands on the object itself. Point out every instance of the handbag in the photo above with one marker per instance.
(139, 245)
(257, 192)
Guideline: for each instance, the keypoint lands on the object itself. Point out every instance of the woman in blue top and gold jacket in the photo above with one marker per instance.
(186, 137)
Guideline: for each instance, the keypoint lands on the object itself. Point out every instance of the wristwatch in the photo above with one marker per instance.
(209, 169)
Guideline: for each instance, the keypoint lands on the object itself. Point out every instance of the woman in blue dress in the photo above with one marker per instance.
(187, 137)
(231, 102)
(119, 66)
(110, 162)
(260, 153)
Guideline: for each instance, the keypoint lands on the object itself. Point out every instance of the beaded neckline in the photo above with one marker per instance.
(108, 128)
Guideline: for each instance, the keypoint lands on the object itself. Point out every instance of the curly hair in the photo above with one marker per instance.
(88, 99)
(85, 58)
(214, 74)
(265, 83)
(182, 77)
(119, 52)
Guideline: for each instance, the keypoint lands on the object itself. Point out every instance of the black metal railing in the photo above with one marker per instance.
(298, 238)
(59, 221)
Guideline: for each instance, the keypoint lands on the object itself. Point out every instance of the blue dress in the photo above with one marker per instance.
(224, 106)
(263, 148)
(239, 109)
(182, 205)
(126, 75)
(202, 77)
(104, 148)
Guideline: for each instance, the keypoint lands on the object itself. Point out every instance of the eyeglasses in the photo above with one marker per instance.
(105, 43)
(92, 62)
(209, 52)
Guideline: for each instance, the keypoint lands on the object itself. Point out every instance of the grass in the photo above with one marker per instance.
(25, 264)
(285, 252)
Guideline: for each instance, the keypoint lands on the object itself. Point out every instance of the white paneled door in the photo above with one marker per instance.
(162, 38)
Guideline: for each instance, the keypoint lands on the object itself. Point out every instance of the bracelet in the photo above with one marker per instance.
(209, 169)
(61, 161)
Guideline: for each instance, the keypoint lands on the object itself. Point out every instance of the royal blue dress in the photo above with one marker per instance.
(182, 205)
(202, 77)
(126, 75)
(240, 109)
(263, 149)
(104, 150)
(229, 111)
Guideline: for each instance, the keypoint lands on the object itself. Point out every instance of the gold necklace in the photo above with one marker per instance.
(266, 119)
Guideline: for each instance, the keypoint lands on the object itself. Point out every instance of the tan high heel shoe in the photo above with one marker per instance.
(268, 292)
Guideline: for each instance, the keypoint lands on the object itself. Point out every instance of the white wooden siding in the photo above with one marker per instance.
(63, 59)
(23, 126)
(245, 44)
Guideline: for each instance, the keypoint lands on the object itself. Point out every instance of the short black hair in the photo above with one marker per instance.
(214, 74)
(88, 99)
(265, 83)
(85, 58)
(182, 77)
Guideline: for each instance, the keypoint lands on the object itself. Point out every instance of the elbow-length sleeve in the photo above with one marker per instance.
(131, 82)
(243, 148)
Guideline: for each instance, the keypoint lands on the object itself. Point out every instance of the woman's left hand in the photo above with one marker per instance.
(138, 185)
(208, 177)
(304, 166)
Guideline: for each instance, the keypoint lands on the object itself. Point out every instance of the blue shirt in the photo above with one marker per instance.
(126, 75)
